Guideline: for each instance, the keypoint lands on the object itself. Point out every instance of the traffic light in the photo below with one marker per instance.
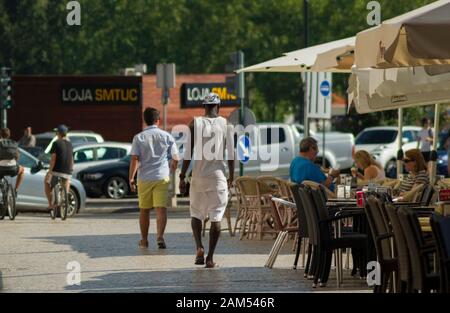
(233, 81)
(5, 88)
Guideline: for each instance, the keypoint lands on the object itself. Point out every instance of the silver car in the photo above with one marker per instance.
(91, 154)
(31, 193)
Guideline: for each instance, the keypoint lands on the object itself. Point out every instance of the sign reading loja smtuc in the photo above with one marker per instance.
(101, 94)
(192, 95)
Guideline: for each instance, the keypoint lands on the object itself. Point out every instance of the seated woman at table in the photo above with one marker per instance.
(372, 169)
(417, 168)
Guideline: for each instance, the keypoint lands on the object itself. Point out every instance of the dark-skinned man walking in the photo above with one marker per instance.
(210, 139)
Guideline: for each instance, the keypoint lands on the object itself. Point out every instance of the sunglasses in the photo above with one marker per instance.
(408, 160)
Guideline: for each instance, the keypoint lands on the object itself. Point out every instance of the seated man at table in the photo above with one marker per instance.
(303, 167)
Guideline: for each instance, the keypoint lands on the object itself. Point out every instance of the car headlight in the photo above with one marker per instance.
(93, 176)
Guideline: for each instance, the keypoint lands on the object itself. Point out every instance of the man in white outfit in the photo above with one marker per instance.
(210, 136)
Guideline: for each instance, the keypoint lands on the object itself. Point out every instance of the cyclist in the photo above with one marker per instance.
(61, 163)
(9, 155)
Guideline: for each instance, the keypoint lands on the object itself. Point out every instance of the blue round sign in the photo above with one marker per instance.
(325, 88)
(244, 149)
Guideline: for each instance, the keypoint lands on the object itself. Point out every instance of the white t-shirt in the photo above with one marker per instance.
(208, 173)
(424, 133)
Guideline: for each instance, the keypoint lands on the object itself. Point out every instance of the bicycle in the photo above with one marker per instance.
(60, 200)
(8, 199)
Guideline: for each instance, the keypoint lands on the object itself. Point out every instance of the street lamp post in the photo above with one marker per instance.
(305, 80)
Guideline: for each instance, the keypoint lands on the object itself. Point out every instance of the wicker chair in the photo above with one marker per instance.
(256, 220)
(283, 229)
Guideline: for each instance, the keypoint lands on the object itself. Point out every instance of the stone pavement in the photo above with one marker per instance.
(35, 252)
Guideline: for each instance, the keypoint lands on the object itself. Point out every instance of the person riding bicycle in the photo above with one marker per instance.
(9, 155)
(61, 163)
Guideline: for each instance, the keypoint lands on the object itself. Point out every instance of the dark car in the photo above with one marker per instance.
(442, 156)
(110, 180)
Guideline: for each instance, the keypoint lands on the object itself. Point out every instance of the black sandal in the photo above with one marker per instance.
(161, 244)
(200, 260)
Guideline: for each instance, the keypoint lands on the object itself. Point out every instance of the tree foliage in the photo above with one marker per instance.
(198, 35)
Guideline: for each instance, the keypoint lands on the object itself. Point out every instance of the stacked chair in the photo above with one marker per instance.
(322, 239)
(402, 247)
(441, 230)
(382, 239)
(255, 211)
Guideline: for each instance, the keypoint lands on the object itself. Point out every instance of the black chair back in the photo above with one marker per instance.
(301, 215)
(427, 194)
(311, 214)
(414, 240)
(441, 231)
(400, 244)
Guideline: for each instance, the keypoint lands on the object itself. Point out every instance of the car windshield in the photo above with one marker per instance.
(43, 142)
(126, 158)
(45, 158)
(376, 137)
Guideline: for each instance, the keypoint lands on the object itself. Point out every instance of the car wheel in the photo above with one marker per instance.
(74, 203)
(116, 188)
(391, 169)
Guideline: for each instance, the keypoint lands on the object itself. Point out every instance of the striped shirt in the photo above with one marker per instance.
(411, 180)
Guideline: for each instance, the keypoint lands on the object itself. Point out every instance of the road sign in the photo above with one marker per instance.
(165, 75)
(244, 149)
(325, 88)
(165, 79)
(319, 91)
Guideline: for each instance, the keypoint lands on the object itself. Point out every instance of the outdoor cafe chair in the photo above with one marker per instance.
(401, 250)
(381, 236)
(280, 189)
(423, 279)
(283, 229)
(441, 231)
(303, 233)
(257, 219)
(324, 242)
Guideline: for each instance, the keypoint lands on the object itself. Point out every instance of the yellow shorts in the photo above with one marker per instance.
(153, 194)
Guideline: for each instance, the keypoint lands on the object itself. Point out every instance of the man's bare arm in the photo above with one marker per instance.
(132, 171)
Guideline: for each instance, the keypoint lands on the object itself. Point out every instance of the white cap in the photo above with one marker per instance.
(212, 98)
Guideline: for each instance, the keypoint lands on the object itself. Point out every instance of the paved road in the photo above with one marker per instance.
(35, 252)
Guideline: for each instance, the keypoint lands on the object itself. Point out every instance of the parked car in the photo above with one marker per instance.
(442, 162)
(381, 143)
(31, 193)
(45, 140)
(110, 180)
(87, 155)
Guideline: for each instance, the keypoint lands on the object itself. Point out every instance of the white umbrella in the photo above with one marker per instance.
(417, 38)
(284, 64)
(373, 90)
(320, 58)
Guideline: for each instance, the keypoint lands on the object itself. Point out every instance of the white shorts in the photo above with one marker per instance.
(210, 204)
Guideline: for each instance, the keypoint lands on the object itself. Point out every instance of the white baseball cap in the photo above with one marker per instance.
(212, 98)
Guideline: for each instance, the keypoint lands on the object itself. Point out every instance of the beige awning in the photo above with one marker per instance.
(335, 56)
(417, 38)
(372, 90)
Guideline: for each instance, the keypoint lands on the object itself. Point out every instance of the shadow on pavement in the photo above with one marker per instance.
(220, 280)
(117, 245)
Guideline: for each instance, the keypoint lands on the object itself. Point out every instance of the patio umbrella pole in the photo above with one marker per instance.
(400, 143)
(433, 156)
